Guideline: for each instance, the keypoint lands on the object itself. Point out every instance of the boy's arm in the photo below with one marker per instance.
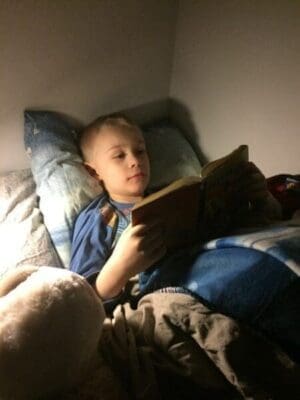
(137, 249)
(90, 242)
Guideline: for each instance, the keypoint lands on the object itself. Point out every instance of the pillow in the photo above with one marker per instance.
(23, 236)
(171, 155)
(63, 184)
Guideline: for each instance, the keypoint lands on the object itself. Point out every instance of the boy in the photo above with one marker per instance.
(107, 250)
(114, 152)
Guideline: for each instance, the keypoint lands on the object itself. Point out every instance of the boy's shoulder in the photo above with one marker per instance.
(99, 210)
(92, 208)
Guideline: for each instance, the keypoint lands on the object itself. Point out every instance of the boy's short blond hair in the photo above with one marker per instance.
(116, 120)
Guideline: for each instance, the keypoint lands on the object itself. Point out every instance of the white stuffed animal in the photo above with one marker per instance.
(50, 325)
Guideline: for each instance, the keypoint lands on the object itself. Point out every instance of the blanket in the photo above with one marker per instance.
(270, 289)
(251, 276)
(174, 337)
(281, 241)
(172, 346)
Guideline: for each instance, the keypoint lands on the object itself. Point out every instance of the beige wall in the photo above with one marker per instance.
(234, 69)
(81, 57)
(237, 71)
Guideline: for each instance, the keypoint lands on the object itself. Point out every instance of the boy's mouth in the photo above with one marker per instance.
(138, 175)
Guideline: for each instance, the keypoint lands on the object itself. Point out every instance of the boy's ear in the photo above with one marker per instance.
(91, 170)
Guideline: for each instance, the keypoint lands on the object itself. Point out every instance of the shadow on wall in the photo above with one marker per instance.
(175, 112)
(148, 112)
(180, 114)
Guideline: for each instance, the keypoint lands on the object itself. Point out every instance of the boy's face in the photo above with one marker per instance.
(120, 161)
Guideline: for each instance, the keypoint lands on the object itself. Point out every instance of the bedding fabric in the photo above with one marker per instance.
(245, 276)
(63, 185)
(23, 236)
(279, 318)
(171, 155)
(173, 338)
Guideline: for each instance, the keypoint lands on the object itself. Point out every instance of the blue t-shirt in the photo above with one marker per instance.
(96, 231)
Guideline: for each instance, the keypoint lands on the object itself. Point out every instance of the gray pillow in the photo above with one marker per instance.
(23, 236)
(171, 155)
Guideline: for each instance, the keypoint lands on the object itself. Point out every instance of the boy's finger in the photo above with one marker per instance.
(142, 229)
(154, 237)
(151, 239)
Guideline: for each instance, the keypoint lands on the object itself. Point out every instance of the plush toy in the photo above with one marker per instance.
(50, 325)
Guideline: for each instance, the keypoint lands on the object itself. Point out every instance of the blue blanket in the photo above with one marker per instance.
(270, 297)
(281, 241)
(253, 277)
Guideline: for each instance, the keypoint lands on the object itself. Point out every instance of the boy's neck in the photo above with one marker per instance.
(125, 199)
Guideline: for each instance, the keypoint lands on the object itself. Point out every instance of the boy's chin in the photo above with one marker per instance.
(138, 191)
(138, 195)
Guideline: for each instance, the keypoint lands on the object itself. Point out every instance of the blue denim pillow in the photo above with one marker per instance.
(63, 185)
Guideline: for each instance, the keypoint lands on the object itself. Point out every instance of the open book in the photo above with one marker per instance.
(197, 208)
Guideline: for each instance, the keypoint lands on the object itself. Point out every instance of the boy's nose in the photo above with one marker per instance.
(133, 161)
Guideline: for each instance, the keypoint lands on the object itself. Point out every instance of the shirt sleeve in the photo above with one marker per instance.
(91, 242)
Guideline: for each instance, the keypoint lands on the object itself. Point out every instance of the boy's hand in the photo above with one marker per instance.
(137, 249)
(253, 186)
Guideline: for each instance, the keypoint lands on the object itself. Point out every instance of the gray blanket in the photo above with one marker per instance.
(172, 346)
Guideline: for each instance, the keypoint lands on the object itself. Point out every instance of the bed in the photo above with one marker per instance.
(169, 345)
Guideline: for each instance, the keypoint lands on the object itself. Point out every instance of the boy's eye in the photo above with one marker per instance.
(118, 155)
(141, 151)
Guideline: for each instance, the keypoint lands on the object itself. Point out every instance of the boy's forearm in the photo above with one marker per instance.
(111, 280)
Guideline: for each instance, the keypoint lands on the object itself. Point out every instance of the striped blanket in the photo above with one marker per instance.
(282, 241)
